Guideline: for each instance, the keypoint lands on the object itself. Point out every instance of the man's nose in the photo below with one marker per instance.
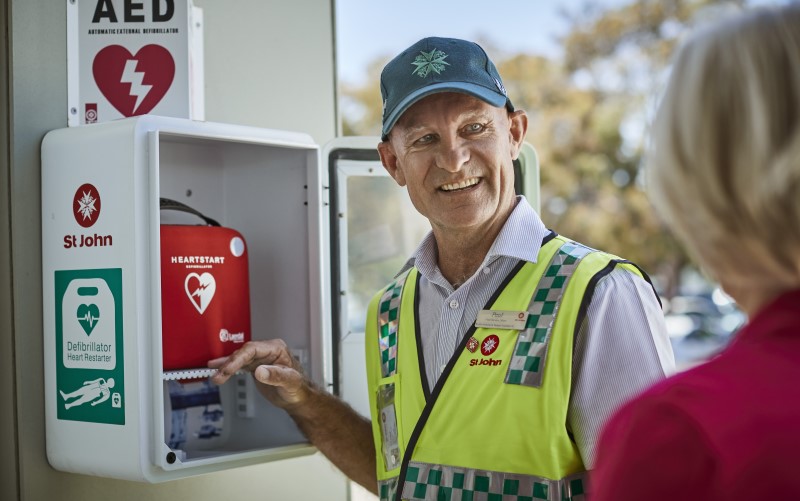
(452, 155)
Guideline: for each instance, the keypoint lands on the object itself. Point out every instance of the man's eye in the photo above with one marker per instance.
(476, 127)
(427, 138)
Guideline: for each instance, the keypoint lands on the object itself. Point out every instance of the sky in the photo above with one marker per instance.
(369, 29)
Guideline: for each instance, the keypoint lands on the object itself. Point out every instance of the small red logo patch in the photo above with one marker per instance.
(86, 205)
(472, 344)
(489, 345)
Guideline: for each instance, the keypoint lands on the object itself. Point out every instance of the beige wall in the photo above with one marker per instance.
(268, 63)
(271, 64)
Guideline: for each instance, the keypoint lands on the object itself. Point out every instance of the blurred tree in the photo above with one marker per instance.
(588, 112)
(361, 104)
(592, 144)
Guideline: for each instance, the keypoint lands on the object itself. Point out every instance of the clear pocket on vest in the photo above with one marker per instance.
(388, 421)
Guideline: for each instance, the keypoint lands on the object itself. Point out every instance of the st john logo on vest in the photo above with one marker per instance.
(487, 347)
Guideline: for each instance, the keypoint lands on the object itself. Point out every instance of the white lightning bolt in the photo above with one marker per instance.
(199, 290)
(133, 77)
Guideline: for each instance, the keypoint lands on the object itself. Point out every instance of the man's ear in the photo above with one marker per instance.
(390, 163)
(518, 127)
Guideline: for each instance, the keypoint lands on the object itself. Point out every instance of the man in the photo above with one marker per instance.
(500, 348)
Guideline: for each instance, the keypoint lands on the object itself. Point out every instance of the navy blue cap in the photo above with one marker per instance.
(438, 65)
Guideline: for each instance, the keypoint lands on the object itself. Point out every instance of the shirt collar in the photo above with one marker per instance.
(520, 238)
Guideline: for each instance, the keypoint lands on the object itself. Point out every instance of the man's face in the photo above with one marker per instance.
(455, 154)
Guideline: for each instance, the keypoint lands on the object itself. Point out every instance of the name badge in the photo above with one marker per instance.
(492, 319)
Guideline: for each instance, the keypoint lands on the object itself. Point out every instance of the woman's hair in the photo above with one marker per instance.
(724, 163)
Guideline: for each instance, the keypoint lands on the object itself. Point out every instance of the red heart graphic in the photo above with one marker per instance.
(133, 84)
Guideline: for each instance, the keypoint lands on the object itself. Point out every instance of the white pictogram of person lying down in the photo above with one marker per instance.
(96, 391)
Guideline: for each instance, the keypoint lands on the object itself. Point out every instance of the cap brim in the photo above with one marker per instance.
(490, 96)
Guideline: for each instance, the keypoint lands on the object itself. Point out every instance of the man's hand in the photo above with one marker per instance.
(278, 373)
(330, 424)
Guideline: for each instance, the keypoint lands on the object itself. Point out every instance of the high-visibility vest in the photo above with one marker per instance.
(494, 426)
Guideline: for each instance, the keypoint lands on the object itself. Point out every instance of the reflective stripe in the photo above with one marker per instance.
(388, 320)
(573, 487)
(431, 482)
(387, 489)
(530, 353)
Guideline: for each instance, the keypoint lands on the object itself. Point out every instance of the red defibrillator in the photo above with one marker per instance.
(205, 291)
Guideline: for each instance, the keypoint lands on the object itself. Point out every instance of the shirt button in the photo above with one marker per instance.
(454, 304)
(486, 271)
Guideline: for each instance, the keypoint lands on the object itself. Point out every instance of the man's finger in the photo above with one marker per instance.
(287, 381)
(274, 375)
(248, 357)
(217, 362)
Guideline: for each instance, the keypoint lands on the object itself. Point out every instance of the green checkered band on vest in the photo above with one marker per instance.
(387, 489)
(573, 487)
(388, 320)
(527, 362)
(433, 482)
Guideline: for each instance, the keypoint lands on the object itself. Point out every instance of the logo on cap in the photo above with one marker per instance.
(426, 62)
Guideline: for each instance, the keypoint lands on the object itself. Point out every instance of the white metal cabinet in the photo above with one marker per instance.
(264, 183)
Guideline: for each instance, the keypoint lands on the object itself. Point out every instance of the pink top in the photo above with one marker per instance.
(728, 429)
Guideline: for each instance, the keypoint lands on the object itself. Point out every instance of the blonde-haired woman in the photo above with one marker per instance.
(724, 172)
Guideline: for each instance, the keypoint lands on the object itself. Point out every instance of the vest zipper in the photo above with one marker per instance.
(434, 395)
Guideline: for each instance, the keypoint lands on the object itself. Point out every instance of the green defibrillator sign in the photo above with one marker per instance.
(90, 379)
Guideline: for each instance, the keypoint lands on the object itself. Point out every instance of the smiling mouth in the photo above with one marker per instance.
(460, 186)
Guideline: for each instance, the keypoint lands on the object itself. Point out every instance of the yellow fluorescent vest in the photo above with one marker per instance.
(495, 424)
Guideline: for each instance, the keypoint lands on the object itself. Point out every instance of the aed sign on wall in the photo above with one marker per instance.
(128, 58)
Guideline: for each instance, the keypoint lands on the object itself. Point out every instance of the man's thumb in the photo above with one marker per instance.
(264, 375)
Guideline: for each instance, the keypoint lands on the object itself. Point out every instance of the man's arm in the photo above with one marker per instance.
(330, 424)
(621, 349)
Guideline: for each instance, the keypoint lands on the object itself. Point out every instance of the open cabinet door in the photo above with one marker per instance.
(526, 175)
(374, 228)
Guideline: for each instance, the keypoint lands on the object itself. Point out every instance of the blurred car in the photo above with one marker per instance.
(700, 325)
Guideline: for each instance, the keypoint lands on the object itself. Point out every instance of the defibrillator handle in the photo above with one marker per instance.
(169, 204)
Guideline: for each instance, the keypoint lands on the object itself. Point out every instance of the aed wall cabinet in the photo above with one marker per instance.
(111, 409)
